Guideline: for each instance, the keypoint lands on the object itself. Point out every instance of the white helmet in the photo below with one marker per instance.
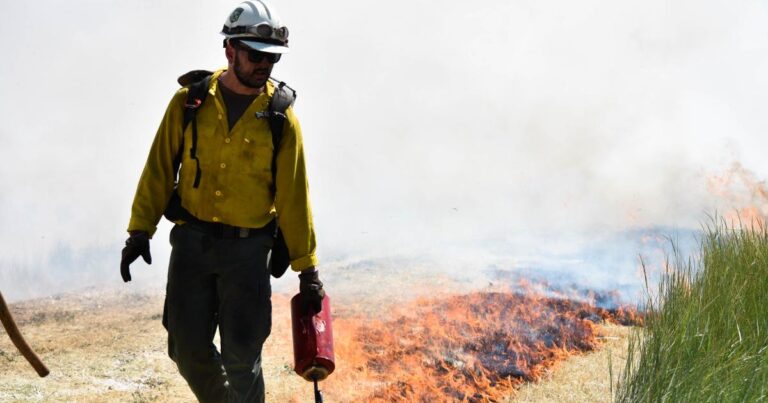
(256, 24)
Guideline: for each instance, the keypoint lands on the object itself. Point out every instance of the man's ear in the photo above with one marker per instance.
(229, 51)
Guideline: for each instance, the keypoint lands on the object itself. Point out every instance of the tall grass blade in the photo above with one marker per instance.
(705, 337)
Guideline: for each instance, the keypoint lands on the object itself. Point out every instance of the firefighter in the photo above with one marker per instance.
(218, 276)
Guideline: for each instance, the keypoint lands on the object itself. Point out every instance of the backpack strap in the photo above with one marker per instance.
(283, 97)
(193, 77)
(198, 82)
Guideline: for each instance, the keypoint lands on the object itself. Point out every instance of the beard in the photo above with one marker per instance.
(255, 78)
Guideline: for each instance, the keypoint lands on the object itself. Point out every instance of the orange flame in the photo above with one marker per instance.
(746, 195)
(475, 347)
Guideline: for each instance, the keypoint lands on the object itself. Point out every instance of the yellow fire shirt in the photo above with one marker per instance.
(236, 170)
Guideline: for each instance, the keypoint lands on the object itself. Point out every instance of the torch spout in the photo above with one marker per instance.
(318, 394)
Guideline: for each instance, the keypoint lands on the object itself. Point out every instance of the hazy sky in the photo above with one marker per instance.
(428, 125)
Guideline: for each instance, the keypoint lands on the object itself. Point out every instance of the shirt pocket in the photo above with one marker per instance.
(256, 156)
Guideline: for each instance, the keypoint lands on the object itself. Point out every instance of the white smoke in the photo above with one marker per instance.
(485, 132)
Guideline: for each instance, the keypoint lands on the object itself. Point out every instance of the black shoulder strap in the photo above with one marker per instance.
(198, 82)
(283, 97)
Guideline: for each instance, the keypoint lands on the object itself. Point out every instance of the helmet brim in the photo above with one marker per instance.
(264, 47)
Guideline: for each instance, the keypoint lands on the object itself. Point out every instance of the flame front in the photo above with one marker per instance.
(747, 197)
(475, 347)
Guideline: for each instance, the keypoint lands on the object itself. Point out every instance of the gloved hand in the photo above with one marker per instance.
(136, 245)
(311, 290)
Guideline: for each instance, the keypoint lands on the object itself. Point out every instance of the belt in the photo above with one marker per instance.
(225, 231)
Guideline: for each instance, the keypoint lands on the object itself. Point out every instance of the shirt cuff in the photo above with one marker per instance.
(150, 229)
(304, 262)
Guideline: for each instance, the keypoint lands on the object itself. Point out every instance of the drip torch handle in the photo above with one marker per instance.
(318, 394)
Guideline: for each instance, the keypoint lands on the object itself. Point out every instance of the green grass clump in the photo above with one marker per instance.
(706, 332)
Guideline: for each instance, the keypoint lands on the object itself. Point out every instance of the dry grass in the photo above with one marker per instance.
(98, 346)
(582, 378)
(110, 346)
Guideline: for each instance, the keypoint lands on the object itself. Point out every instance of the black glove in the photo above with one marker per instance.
(311, 291)
(136, 245)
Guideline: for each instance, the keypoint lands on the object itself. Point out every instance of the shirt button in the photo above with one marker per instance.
(218, 193)
(215, 219)
(219, 116)
(223, 165)
(227, 140)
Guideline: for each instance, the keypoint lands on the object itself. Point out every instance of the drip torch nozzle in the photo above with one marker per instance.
(318, 394)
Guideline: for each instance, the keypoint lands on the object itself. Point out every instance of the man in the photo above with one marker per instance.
(218, 275)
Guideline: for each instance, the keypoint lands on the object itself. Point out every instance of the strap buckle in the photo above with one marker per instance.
(194, 104)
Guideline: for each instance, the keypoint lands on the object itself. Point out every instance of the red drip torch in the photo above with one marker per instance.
(312, 342)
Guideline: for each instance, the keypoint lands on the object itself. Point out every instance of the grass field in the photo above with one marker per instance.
(109, 346)
(706, 332)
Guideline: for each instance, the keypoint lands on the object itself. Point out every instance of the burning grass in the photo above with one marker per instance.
(110, 346)
(475, 347)
(706, 334)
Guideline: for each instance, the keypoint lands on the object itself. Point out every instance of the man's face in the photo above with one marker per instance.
(249, 73)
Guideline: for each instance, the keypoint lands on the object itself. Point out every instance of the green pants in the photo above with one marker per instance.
(224, 283)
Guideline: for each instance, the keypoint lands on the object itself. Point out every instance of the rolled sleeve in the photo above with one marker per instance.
(292, 197)
(157, 179)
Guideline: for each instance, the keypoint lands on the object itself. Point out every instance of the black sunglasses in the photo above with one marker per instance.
(256, 56)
